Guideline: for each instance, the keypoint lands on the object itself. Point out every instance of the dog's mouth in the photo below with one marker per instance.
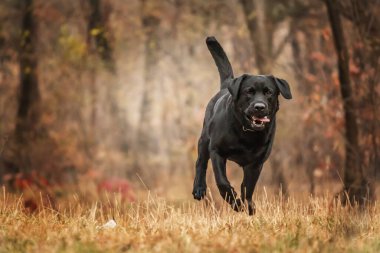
(258, 123)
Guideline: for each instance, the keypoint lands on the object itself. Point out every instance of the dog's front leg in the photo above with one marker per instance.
(224, 186)
(251, 175)
(199, 187)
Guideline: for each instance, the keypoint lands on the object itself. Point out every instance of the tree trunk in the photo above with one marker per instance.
(147, 139)
(255, 20)
(29, 96)
(99, 40)
(97, 33)
(149, 143)
(363, 14)
(374, 60)
(278, 177)
(356, 188)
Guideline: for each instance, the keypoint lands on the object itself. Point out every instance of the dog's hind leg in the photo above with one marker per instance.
(199, 187)
(224, 186)
(251, 175)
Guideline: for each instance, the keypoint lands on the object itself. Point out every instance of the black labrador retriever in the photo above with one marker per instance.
(239, 125)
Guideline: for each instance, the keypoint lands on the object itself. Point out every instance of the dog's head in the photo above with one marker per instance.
(256, 98)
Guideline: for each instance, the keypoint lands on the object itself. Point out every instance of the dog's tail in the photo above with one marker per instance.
(221, 60)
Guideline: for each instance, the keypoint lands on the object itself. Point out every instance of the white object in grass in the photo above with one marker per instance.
(109, 224)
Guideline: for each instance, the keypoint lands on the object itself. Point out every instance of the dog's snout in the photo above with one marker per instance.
(259, 107)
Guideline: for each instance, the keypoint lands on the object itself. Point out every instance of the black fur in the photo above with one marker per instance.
(236, 128)
(221, 61)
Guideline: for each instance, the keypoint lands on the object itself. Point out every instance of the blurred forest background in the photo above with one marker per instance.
(109, 95)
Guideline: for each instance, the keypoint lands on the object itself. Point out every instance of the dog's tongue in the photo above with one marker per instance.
(264, 119)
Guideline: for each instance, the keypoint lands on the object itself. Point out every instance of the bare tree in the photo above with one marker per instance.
(255, 21)
(363, 14)
(150, 23)
(97, 33)
(149, 132)
(29, 94)
(355, 184)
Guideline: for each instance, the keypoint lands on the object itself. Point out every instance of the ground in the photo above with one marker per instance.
(154, 225)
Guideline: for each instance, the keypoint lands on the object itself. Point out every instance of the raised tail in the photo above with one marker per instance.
(221, 60)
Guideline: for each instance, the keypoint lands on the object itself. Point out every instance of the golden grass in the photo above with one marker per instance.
(154, 225)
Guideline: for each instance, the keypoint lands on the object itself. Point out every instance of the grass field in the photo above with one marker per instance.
(154, 225)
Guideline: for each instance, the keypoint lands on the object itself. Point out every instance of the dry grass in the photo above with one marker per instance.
(153, 225)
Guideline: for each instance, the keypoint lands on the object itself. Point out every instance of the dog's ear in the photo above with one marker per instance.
(283, 86)
(234, 86)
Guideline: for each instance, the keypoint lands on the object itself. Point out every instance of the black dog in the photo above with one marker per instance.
(239, 125)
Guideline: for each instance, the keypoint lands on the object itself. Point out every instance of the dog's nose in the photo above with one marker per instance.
(259, 107)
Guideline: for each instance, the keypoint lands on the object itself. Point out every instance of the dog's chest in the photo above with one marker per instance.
(245, 153)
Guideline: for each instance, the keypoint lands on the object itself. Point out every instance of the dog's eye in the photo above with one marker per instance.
(267, 91)
(251, 91)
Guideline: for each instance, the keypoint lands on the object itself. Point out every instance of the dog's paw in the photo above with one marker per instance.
(251, 208)
(199, 192)
(237, 205)
(227, 192)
